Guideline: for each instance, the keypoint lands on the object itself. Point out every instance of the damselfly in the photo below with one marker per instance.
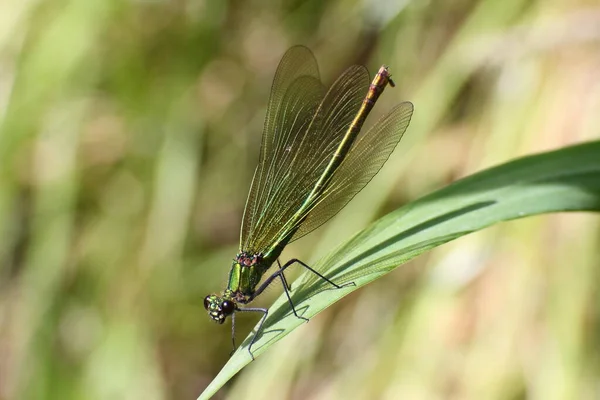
(310, 167)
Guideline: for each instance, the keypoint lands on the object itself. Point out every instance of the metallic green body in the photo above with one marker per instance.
(311, 164)
(243, 279)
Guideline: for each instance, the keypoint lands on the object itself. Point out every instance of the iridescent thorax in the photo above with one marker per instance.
(313, 161)
(245, 274)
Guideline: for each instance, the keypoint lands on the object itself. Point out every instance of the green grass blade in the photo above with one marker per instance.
(564, 180)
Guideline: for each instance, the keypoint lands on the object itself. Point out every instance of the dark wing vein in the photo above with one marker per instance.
(301, 148)
(297, 62)
(336, 113)
(362, 163)
(303, 99)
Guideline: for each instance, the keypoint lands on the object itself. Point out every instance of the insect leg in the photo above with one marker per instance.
(232, 333)
(279, 273)
(285, 282)
(262, 321)
(295, 260)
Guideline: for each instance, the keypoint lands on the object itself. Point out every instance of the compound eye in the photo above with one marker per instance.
(228, 307)
(206, 302)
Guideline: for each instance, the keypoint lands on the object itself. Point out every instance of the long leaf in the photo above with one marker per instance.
(564, 180)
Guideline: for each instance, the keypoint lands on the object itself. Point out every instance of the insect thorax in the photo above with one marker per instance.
(245, 274)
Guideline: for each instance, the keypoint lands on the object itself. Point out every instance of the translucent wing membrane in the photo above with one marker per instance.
(283, 173)
(297, 62)
(362, 163)
(304, 134)
(332, 121)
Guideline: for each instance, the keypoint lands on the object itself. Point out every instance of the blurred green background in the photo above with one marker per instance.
(129, 132)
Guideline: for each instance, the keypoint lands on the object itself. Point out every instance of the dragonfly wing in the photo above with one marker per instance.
(297, 62)
(364, 160)
(300, 156)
